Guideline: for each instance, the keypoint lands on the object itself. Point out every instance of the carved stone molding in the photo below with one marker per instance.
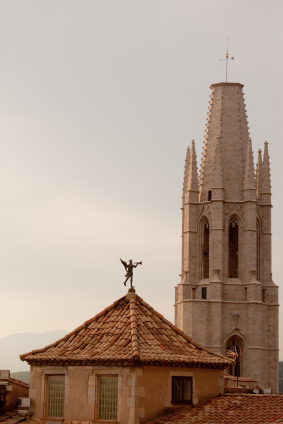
(237, 206)
(235, 329)
(200, 210)
(259, 210)
(207, 209)
(239, 209)
(229, 208)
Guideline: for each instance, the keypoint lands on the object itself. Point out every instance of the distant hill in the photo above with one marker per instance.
(21, 375)
(16, 344)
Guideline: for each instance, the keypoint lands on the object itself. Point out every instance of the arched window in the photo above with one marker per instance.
(235, 345)
(258, 242)
(205, 249)
(233, 247)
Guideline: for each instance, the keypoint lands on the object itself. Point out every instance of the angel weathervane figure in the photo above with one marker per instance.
(129, 268)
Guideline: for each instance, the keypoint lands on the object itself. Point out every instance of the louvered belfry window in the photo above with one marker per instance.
(55, 396)
(108, 398)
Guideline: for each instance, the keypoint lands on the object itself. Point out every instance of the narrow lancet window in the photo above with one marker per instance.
(235, 346)
(233, 248)
(205, 250)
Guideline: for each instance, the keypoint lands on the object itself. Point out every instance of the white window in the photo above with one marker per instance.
(108, 398)
(55, 396)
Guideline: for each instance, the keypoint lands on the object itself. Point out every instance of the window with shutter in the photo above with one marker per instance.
(108, 398)
(55, 396)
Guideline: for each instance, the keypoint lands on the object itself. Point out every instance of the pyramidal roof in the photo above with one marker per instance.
(128, 332)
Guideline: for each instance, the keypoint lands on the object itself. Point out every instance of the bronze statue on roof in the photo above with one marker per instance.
(129, 268)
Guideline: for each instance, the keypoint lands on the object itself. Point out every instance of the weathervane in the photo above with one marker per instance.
(227, 58)
(129, 268)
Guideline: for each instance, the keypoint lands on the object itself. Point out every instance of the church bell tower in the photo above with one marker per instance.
(226, 296)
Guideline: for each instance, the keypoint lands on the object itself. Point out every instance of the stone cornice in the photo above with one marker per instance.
(241, 302)
(226, 83)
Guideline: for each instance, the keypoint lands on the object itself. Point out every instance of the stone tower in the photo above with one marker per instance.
(226, 296)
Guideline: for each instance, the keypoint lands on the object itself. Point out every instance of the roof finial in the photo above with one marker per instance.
(186, 172)
(129, 268)
(193, 170)
(249, 178)
(227, 58)
(266, 183)
(259, 174)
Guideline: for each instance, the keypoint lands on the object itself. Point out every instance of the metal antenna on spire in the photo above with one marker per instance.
(227, 58)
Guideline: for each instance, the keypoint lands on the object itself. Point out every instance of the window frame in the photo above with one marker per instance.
(204, 293)
(209, 195)
(233, 222)
(98, 378)
(47, 377)
(182, 401)
(205, 239)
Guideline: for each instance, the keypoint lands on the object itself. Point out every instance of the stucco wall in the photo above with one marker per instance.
(156, 385)
(12, 396)
(80, 390)
(144, 393)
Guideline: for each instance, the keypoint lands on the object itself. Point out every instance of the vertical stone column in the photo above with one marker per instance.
(189, 235)
(217, 199)
(249, 244)
(265, 200)
(215, 296)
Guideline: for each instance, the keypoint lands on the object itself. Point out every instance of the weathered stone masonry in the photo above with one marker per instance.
(226, 294)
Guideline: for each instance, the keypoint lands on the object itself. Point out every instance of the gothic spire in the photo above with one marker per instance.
(226, 119)
(217, 173)
(249, 179)
(186, 172)
(258, 174)
(266, 183)
(193, 171)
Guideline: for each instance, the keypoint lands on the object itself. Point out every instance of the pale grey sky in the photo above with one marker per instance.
(99, 100)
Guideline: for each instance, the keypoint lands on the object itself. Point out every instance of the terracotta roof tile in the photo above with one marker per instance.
(231, 409)
(16, 381)
(129, 331)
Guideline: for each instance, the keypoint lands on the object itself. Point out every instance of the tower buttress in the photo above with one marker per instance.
(186, 171)
(249, 178)
(266, 182)
(192, 183)
(217, 200)
(259, 175)
(265, 201)
(216, 242)
(189, 231)
(249, 190)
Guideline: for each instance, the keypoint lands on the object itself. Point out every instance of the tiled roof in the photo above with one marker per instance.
(127, 332)
(18, 382)
(15, 381)
(233, 378)
(231, 409)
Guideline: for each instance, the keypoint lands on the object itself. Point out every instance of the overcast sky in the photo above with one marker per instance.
(99, 100)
